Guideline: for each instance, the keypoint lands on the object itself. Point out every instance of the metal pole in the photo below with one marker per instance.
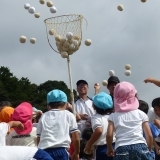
(71, 85)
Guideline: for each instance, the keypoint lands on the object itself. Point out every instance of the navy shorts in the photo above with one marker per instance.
(133, 152)
(42, 155)
(58, 153)
(100, 152)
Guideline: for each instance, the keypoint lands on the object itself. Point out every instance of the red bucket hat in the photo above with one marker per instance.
(23, 113)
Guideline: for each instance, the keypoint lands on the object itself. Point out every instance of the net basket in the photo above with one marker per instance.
(67, 32)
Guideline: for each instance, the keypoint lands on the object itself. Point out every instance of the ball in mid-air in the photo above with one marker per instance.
(27, 6)
(31, 10)
(127, 72)
(33, 40)
(22, 39)
(120, 7)
(53, 9)
(87, 42)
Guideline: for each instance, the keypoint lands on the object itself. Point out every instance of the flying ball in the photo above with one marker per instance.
(120, 7)
(49, 3)
(51, 32)
(31, 10)
(64, 54)
(127, 72)
(69, 35)
(127, 66)
(87, 42)
(143, 1)
(111, 73)
(42, 1)
(27, 6)
(22, 39)
(104, 83)
(37, 15)
(33, 40)
(53, 9)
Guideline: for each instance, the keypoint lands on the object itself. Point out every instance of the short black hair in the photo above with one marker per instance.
(156, 102)
(83, 155)
(103, 111)
(81, 81)
(113, 79)
(143, 106)
(55, 105)
(87, 133)
(5, 103)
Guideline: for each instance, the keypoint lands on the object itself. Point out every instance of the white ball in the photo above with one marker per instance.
(33, 40)
(75, 42)
(69, 35)
(37, 15)
(51, 31)
(87, 42)
(49, 3)
(104, 83)
(111, 73)
(58, 38)
(31, 10)
(143, 1)
(27, 6)
(127, 66)
(72, 47)
(127, 72)
(22, 39)
(64, 54)
(53, 9)
(120, 7)
(42, 1)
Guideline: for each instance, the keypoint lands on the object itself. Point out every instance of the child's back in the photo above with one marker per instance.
(54, 127)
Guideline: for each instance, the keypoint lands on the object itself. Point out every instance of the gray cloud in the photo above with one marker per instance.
(131, 36)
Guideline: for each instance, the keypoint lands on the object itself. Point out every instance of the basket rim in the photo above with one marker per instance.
(78, 15)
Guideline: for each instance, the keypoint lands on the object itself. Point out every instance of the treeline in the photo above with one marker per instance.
(18, 90)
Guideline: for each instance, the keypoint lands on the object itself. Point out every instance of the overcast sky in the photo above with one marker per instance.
(131, 36)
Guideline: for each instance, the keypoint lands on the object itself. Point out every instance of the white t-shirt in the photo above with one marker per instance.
(54, 128)
(15, 139)
(84, 107)
(128, 127)
(4, 128)
(99, 120)
(17, 152)
(152, 116)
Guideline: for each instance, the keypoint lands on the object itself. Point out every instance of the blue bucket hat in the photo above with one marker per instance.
(56, 95)
(103, 101)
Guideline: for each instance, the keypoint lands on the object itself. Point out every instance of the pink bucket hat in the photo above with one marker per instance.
(124, 97)
(23, 113)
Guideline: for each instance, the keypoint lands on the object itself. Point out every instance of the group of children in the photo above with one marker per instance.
(120, 130)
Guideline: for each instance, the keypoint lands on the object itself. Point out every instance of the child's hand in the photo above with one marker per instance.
(157, 122)
(148, 80)
(20, 126)
(110, 153)
(157, 148)
(88, 149)
(75, 156)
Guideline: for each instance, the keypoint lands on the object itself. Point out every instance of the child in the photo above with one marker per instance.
(155, 114)
(55, 126)
(17, 152)
(103, 105)
(143, 106)
(5, 128)
(128, 122)
(27, 137)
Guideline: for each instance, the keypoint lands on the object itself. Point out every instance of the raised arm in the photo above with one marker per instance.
(152, 80)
